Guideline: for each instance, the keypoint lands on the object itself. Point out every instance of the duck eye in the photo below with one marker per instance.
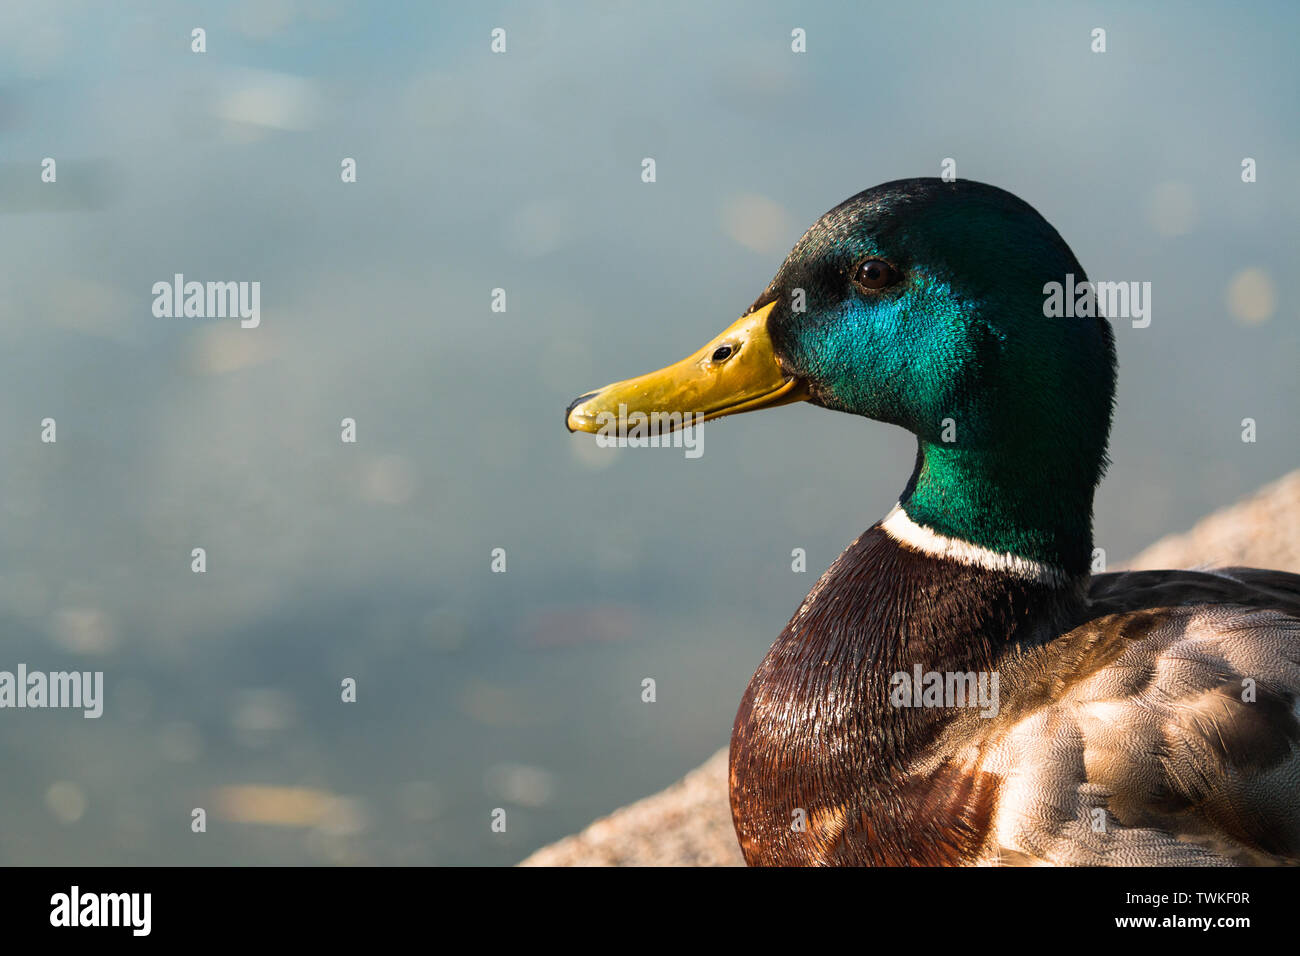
(875, 274)
(722, 353)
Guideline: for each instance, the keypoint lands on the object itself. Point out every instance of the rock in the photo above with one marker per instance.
(1261, 531)
(689, 824)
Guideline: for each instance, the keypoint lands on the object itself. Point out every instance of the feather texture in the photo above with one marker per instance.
(1149, 719)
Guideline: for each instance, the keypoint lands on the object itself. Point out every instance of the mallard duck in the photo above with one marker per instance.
(959, 688)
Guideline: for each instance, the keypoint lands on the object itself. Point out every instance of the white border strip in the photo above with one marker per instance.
(920, 538)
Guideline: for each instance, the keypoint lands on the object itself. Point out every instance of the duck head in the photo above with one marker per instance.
(920, 303)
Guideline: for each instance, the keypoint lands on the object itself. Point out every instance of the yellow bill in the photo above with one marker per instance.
(736, 372)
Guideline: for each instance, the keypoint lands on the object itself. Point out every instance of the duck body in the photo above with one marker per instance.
(1120, 735)
(958, 688)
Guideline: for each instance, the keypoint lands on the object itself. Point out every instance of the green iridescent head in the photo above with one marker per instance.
(921, 303)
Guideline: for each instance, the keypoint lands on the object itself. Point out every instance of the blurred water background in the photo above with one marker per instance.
(522, 171)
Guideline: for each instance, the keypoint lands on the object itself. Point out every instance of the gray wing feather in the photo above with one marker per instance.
(1184, 749)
